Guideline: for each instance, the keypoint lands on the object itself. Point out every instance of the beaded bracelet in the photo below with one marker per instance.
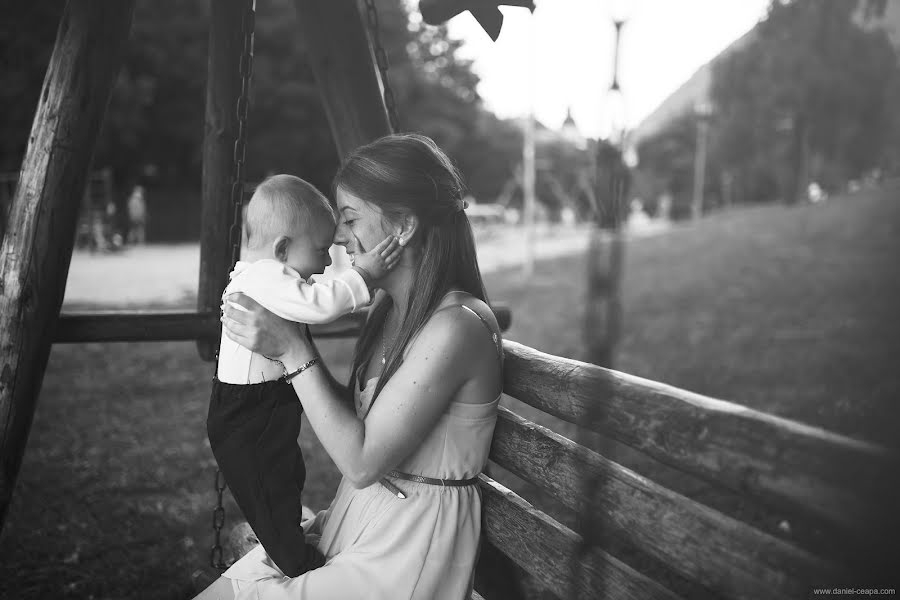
(288, 376)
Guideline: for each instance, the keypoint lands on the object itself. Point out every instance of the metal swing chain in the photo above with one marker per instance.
(381, 60)
(248, 25)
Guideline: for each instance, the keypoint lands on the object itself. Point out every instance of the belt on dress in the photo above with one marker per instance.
(421, 479)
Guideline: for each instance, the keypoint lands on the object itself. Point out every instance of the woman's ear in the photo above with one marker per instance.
(280, 248)
(408, 228)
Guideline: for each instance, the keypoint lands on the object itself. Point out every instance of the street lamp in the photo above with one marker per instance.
(606, 248)
(603, 314)
(528, 168)
(703, 112)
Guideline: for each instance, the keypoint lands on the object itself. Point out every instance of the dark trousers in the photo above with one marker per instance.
(253, 433)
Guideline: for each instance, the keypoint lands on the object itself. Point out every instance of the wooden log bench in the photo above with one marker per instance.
(832, 495)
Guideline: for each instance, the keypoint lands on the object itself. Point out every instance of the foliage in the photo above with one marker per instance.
(27, 32)
(807, 92)
(808, 95)
(155, 116)
(667, 164)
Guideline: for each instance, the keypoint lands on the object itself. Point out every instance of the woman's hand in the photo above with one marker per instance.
(249, 324)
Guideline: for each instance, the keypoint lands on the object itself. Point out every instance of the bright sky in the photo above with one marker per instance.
(663, 43)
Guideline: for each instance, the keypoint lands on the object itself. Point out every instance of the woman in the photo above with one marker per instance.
(413, 431)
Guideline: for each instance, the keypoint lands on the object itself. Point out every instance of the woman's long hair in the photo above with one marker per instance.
(402, 175)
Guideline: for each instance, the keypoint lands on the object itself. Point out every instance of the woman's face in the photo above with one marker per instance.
(361, 225)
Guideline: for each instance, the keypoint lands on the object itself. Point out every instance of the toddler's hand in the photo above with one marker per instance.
(380, 259)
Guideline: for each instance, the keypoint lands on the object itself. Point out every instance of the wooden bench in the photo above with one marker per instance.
(825, 505)
(830, 494)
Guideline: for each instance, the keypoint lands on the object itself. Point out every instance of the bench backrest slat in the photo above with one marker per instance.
(781, 462)
(715, 550)
(544, 547)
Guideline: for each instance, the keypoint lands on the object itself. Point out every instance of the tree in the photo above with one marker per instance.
(667, 163)
(155, 117)
(809, 94)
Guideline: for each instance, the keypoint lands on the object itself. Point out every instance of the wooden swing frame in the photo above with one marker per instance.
(843, 485)
(37, 247)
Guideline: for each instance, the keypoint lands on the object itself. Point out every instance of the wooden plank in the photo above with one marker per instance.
(135, 326)
(845, 482)
(545, 548)
(220, 130)
(160, 326)
(717, 551)
(37, 248)
(340, 55)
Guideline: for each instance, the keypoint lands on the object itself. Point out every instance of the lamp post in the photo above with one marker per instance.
(606, 247)
(702, 112)
(528, 169)
(603, 314)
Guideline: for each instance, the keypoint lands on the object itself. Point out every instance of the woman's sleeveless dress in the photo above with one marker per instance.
(380, 546)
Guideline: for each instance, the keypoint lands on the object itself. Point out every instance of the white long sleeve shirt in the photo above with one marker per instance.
(284, 292)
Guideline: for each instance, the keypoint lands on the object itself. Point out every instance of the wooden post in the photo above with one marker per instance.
(342, 61)
(36, 250)
(220, 129)
(528, 168)
(603, 310)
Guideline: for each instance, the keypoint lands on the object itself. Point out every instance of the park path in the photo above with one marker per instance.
(166, 275)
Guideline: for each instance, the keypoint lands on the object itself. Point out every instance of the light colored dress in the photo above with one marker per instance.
(380, 546)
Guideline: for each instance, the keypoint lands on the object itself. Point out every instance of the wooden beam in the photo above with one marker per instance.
(135, 327)
(340, 55)
(715, 550)
(847, 483)
(160, 326)
(37, 248)
(544, 548)
(220, 130)
(167, 326)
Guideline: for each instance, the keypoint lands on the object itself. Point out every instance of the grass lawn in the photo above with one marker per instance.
(788, 310)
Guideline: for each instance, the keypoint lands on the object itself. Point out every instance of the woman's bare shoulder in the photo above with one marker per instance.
(461, 321)
(479, 307)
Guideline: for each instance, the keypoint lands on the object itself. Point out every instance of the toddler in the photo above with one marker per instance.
(254, 414)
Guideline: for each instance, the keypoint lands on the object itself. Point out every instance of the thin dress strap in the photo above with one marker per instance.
(498, 344)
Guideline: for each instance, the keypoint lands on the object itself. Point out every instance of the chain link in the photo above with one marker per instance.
(216, 560)
(239, 155)
(240, 143)
(381, 60)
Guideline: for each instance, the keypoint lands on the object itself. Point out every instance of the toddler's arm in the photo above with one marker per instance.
(313, 302)
(376, 263)
(304, 302)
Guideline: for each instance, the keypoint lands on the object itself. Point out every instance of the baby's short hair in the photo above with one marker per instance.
(279, 205)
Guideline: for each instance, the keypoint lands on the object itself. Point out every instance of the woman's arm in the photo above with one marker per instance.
(410, 404)
(340, 389)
